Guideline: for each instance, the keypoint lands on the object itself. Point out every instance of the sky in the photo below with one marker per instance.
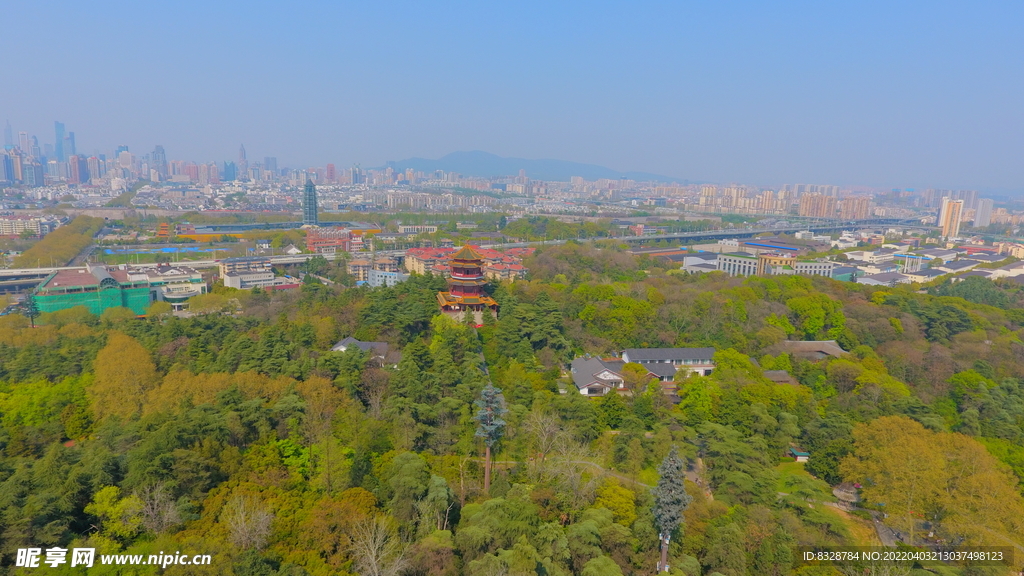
(909, 94)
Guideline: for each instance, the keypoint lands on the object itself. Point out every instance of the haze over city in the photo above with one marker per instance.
(914, 96)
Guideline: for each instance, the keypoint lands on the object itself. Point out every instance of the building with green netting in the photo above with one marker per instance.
(95, 287)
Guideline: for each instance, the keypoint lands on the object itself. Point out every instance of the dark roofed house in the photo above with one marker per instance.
(597, 377)
(812, 350)
(780, 377)
(378, 350)
(663, 372)
(699, 360)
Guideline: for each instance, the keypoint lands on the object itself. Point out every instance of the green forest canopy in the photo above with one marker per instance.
(243, 436)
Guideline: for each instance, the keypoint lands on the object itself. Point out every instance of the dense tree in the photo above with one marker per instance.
(490, 425)
(193, 433)
(670, 501)
(124, 373)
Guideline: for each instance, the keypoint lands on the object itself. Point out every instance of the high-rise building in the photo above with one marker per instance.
(69, 144)
(8, 136)
(34, 148)
(949, 217)
(6, 167)
(331, 174)
(817, 206)
(78, 170)
(309, 205)
(230, 171)
(58, 128)
(158, 161)
(23, 142)
(983, 215)
(970, 198)
(855, 208)
(270, 164)
(16, 164)
(243, 163)
(95, 167)
(32, 174)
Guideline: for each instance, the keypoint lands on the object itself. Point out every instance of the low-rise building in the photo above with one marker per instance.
(248, 280)
(95, 287)
(700, 262)
(886, 279)
(695, 360)
(328, 240)
(738, 264)
(958, 266)
(497, 265)
(15, 226)
(768, 264)
(245, 264)
(597, 377)
(378, 278)
(925, 275)
(417, 229)
(594, 376)
(359, 269)
(873, 256)
(174, 284)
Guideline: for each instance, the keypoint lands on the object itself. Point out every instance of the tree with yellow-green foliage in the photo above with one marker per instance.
(124, 373)
(619, 499)
(159, 309)
(61, 245)
(944, 478)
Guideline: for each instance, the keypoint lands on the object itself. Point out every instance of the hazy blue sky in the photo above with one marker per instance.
(911, 94)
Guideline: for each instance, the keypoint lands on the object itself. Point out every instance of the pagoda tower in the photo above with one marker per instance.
(466, 285)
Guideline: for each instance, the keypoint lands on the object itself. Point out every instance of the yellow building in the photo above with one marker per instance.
(768, 261)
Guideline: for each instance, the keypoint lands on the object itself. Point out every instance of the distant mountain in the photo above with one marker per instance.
(488, 165)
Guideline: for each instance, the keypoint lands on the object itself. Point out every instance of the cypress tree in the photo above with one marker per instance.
(670, 501)
(490, 425)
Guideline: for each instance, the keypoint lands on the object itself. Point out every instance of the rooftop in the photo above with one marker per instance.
(828, 347)
(652, 354)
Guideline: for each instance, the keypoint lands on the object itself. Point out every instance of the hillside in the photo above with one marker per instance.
(244, 437)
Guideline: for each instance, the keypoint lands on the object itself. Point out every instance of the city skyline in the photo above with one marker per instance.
(156, 158)
(915, 95)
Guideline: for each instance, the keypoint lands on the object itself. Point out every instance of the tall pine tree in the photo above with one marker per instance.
(670, 501)
(490, 425)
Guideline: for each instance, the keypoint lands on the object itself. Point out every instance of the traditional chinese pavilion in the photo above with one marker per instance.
(466, 284)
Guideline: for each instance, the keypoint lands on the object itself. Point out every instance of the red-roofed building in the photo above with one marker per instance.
(496, 265)
(329, 240)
